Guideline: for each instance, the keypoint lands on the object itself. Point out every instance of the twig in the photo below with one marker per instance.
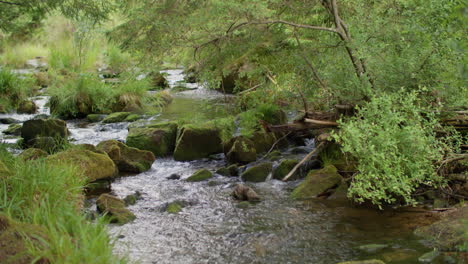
(305, 159)
(250, 89)
(274, 145)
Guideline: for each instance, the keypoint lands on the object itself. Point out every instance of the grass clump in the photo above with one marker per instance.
(17, 55)
(13, 89)
(51, 196)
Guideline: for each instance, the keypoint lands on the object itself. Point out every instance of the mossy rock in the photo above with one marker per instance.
(317, 182)
(91, 148)
(223, 171)
(448, 233)
(158, 80)
(332, 155)
(133, 118)
(116, 117)
(114, 208)
(13, 130)
(230, 171)
(263, 141)
(174, 207)
(126, 158)
(159, 138)
(284, 168)
(94, 166)
(370, 261)
(197, 142)
(274, 155)
(240, 150)
(54, 128)
(200, 175)
(32, 154)
(27, 107)
(257, 173)
(94, 118)
(15, 238)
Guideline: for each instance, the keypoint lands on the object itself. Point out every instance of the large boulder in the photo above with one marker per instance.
(16, 237)
(116, 117)
(284, 168)
(240, 150)
(159, 138)
(257, 173)
(197, 142)
(54, 128)
(263, 141)
(127, 159)
(317, 182)
(114, 208)
(27, 107)
(448, 233)
(94, 166)
(32, 154)
(200, 175)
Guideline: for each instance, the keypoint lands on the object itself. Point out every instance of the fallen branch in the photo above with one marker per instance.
(320, 122)
(250, 89)
(274, 145)
(305, 159)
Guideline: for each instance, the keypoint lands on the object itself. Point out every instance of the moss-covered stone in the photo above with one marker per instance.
(332, 155)
(158, 80)
(115, 209)
(317, 182)
(127, 159)
(32, 154)
(263, 141)
(274, 155)
(15, 238)
(174, 208)
(131, 199)
(284, 168)
(195, 142)
(27, 107)
(13, 130)
(233, 170)
(116, 117)
(159, 138)
(449, 232)
(257, 173)
(240, 150)
(54, 128)
(132, 118)
(94, 118)
(223, 171)
(94, 166)
(200, 175)
(370, 261)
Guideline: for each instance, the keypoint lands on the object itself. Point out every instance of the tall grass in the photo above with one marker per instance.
(16, 55)
(51, 196)
(13, 89)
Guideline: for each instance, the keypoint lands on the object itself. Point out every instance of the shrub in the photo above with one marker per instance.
(393, 139)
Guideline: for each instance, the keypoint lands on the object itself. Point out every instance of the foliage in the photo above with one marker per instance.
(51, 196)
(17, 55)
(13, 89)
(393, 139)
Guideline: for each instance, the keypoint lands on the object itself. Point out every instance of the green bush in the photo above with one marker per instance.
(393, 139)
(14, 89)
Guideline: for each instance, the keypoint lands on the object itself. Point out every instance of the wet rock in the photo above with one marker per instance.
(245, 193)
(90, 147)
(317, 182)
(174, 177)
(27, 107)
(127, 159)
(94, 118)
(15, 238)
(158, 80)
(159, 138)
(257, 173)
(93, 166)
(54, 128)
(197, 142)
(370, 261)
(98, 187)
(132, 198)
(116, 117)
(230, 171)
(449, 232)
(133, 118)
(284, 168)
(263, 141)
(429, 257)
(240, 150)
(200, 175)
(115, 209)
(274, 155)
(13, 130)
(8, 121)
(32, 154)
(223, 171)
(372, 248)
(340, 193)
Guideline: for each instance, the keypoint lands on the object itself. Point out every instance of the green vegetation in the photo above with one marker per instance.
(13, 89)
(51, 196)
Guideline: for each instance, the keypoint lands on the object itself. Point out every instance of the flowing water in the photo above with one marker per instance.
(214, 228)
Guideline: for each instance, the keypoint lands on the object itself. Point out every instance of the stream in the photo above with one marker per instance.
(213, 228)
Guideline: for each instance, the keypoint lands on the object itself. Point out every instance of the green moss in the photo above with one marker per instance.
(54, 128)
(27, 107)
(174, 208)
(263, 141)
(241, 150)
(223, 171)
(257, 173)
(197, 142)
(115, 209)
(94, 166)
(132, 118)
(200, 175)
(284, 168)
(158, 138)
(317, 182)
(126, 158)
(116, 117)
(94, 118)
(32, 154)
